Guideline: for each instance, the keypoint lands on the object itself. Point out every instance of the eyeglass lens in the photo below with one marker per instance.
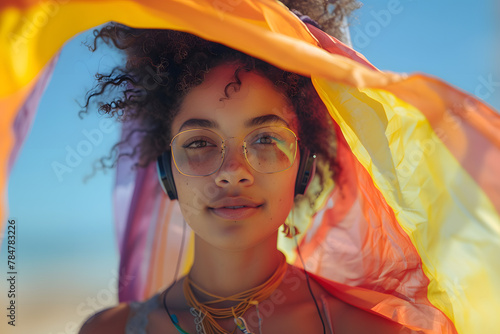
(200, 152)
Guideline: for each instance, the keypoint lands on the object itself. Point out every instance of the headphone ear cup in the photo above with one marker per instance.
(307, 168)
(164, 168)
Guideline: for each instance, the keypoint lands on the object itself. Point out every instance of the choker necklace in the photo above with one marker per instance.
(245, 299)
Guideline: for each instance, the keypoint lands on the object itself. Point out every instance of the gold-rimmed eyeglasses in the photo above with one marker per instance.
(201, 152)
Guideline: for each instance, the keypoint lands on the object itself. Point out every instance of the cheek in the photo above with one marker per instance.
(202, 188)
(195, 194)
(189, 197)
(280, 192)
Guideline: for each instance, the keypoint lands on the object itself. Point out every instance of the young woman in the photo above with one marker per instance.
(238, 141)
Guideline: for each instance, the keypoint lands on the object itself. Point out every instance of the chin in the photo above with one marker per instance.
(237, 235)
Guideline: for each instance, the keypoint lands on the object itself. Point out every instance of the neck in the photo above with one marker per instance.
(224, 273)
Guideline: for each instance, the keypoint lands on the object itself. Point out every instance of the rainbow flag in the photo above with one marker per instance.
(412, 229)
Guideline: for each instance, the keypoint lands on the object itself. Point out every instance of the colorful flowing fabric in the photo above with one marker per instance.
(412, 229)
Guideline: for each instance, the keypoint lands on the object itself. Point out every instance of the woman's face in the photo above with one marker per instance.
(208, 202)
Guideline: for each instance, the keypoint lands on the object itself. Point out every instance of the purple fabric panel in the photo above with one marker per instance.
(132, 246)
(127, 183)
(26, 114)
(124, 184)
(134, 250)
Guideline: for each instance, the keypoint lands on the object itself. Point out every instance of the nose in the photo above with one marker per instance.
(235, 170)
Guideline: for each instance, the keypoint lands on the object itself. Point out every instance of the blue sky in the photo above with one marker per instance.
(65, 226)
(457, 41)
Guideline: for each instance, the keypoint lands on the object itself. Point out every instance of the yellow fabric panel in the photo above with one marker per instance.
(435, 201)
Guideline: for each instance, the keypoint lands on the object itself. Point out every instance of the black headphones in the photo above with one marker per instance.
(307, 168)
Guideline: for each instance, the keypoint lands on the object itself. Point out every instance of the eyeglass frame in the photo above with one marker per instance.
(223, 153)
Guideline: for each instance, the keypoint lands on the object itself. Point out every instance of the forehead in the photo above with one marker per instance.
(249, 95)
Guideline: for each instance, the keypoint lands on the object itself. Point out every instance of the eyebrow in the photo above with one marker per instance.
(199, 123)
(265, 119)
(206, 123)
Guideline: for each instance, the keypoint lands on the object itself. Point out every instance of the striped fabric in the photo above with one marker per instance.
(412, 229)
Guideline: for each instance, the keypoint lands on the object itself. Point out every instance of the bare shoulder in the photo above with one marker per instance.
(350, 319)
(109, 321)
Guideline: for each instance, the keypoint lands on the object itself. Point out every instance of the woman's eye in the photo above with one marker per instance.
(265, 140)
(199, 143)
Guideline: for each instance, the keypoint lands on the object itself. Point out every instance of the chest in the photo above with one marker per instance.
(272, 318)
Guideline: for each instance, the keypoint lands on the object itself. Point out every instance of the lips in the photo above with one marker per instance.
(235, 208)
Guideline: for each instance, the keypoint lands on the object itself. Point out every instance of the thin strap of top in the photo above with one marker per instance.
(139, 312)
(326, 313)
